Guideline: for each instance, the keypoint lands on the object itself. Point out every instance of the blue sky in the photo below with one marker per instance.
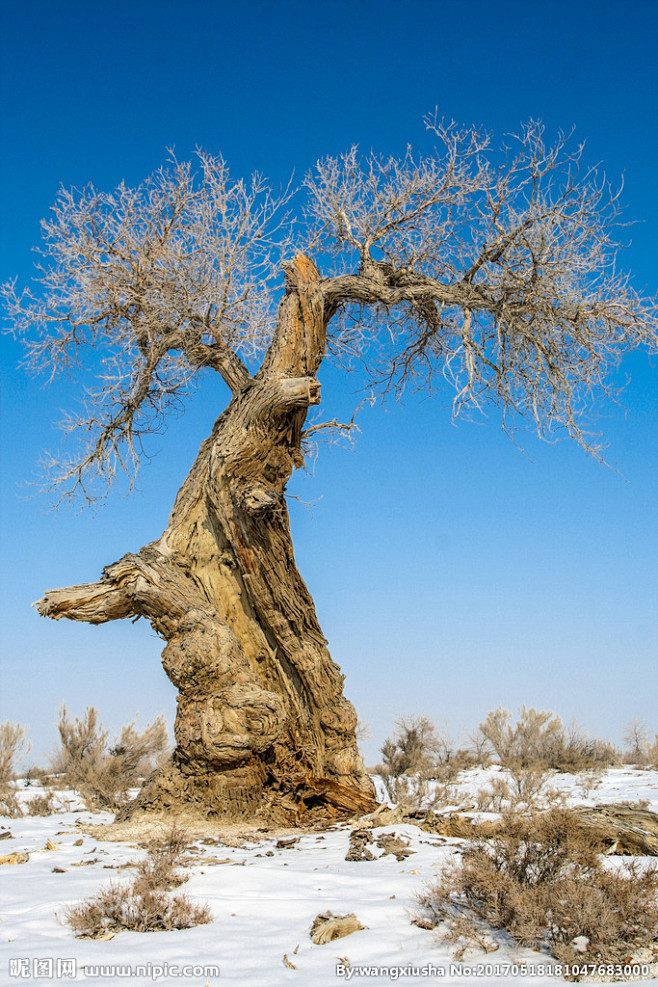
(451, 572)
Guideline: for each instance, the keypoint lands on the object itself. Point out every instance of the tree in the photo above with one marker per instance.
(495, 271)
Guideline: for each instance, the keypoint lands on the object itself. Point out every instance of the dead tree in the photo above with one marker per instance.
(494, 270)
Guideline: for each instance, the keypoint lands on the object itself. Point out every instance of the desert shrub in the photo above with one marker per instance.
(538, 740)
(9, 804)
(37, 775)
(653, 753)
(41, 805)
(411, 749)
(590, 779)
(521, 788)
(101, 772)
(143, 905)
(479, 749)
(417, 764)
(578, 751)
(13, 743)
(532, 740)
(118, 907)
(541, 878)
(159, 870)
(639, 748)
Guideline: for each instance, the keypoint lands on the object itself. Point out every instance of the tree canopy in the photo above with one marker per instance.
(492, 269)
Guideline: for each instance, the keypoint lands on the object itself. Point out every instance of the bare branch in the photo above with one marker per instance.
(173, 276)
(495, 271)
(501, 277)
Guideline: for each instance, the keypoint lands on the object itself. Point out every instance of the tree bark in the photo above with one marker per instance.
(262, 725)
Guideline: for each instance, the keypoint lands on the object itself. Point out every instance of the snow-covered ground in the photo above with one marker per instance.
(264, 892)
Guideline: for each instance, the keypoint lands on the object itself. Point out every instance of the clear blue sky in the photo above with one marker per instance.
(451, 573)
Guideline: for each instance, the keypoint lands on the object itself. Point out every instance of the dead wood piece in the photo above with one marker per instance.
(627, 829)
(359, 840)
(395, 845)
(327, 927)
(452, 824)
(383, 815)
(14, 858)
(341, 799)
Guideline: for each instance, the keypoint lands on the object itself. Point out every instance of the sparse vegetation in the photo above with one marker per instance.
(13, 744)
(530, 750)
(101, 772)
(143, 905)
(420, 764)
(41, 805)
(536, 745)
(639, 748)
(542, 879)
(121, 907)
(160, 869)
(539, 739)
(417, 764)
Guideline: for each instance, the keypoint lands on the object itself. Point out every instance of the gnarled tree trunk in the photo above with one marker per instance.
(262, 722)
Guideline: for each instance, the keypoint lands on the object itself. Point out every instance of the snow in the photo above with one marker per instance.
(264, 901)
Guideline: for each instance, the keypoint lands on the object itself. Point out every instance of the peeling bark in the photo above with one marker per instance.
(262, 724)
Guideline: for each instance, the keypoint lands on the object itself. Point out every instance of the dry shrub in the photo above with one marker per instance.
(102, 773)
(577, 751)
(9, 804)
(534, 746)
(519, 789)
(143, 905)
(158, 871)
(37, 774)
(539, 738)
(639, 748)
(590, 780)
(541, 878)
(41, 805)
(13, 743)
(418, 764)
(119, 907)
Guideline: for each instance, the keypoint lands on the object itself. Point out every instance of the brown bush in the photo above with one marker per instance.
(143, 905)
(119, 907)
(639, 748)
(9, 804)
(100, 772)
(13, 743)
(539, 741)
(419, 763)
(541, 878)
(41, 805)
(159, 870)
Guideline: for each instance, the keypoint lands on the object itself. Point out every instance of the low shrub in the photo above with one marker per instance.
(518, 789)
(159, 870)
(118, 907)
(41, 805)
(143, 905)
(542, 879)
(9, 804)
